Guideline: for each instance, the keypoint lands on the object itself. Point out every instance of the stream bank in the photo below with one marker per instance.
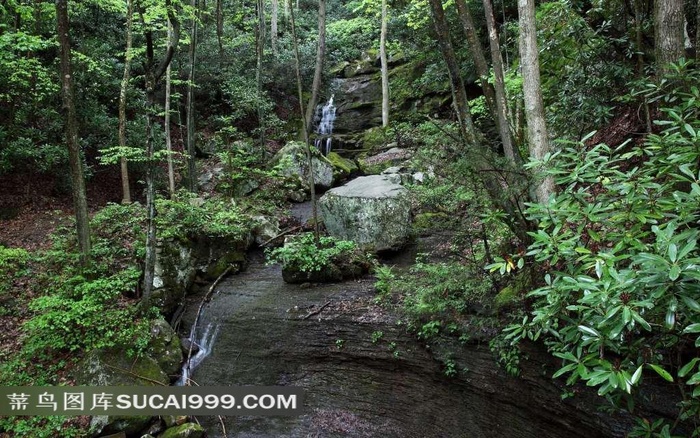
(365, 375)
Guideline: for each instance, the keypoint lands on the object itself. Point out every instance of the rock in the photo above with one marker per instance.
(164, 347)
(386, 160)
(292, 161)
(372, 211)
(186, 344)
(342, 167)
(265, 229)
(358, 104)
(179, 261)
(187, 430)
(114, 368)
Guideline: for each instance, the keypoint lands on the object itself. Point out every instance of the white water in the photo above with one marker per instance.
(325, 127)
(205, 342)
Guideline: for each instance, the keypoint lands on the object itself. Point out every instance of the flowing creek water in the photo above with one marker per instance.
(363, 374)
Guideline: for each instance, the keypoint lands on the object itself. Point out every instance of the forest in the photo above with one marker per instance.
(537, 163)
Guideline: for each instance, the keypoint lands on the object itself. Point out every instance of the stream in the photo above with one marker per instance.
(364, 375)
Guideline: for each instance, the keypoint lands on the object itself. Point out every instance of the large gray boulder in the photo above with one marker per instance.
(371, 210)
(292, 161)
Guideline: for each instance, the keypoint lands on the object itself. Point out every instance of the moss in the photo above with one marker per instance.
(342, 167)
(187, 430)
(514, 294)
(428, 221)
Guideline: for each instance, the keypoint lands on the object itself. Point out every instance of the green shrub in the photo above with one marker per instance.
(304, 255)
(620, 246)
(13, 262)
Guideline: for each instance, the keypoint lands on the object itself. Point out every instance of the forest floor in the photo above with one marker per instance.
(32, 206)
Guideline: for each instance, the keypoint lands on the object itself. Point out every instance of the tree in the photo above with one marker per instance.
(192, 54)
(668, 33)
(501, 101)
(154, 72)
(260, 53)
(537, 136)
(304, 125)
(166, 123)
(318, 71)
(385, 66)
(274, 13)
(459, 94)
(126, 190)
(71, 127)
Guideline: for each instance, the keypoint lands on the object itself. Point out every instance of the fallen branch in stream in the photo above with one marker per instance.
(206, 299)
(281, 234)
(316, 312)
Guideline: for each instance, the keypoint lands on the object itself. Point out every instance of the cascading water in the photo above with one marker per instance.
(325, 127)
(204, 342)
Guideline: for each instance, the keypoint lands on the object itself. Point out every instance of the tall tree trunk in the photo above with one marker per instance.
(459, 94)
(538, 138)
(385, 66)
(153, 75)
(168, 133)
(76, 165)
(668, 33)
(220, 29)
(318, 72)
(274, 12)
(260, 52)
(482, 68)
(697, 33)
(639, 34)
(126, 191)
(191, 151)
(304, 126)
(509, 148)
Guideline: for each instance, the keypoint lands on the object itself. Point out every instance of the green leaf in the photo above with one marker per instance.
(637, 375)
(688, 367)
(589, 331)
(694, 380)
(661, 372)
(674, 272)
(637, 317)
(692, 328)
(672, 252)
(691, 303)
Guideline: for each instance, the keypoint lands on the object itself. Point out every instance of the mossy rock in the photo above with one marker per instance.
(215, 269)
(112, 367)
(164, 347)
(187, 430)
(342, 167)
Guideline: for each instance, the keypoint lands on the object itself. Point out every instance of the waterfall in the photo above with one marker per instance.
(325, 127)
(205, 342)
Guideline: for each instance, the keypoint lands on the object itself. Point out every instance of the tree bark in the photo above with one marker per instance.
(459, 94)
(318, 72)
(385, 66)
(260, 52)
(191, 151)
(538, 138)
(509, 148)
(220, 29)
(126, 190)
(304, 125)
(168, 134)
(668, 33)
(274, 12)
(153, 75)
(482, 68)
(75, 160)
